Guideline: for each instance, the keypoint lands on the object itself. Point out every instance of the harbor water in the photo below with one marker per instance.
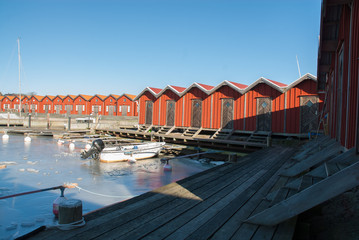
(43, 163)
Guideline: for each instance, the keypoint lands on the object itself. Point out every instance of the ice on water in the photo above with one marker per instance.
(43, 163)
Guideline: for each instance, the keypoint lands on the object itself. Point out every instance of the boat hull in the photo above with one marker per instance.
(140, 152)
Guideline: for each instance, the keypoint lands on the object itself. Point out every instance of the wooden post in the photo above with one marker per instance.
(8, 119)
(269, 141)
(29, 120)
(70, 211)
(69, 124)
(48, 121)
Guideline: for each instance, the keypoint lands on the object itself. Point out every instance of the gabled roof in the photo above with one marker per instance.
(130, 96)
(115, 96)
(177, 90)
(301, 79)
(60, 96)
(152, 90)
(37, 97)
(236, 86)
(276, 85)
(102, 97)
(70, 96)
(49, 97)
(203, 87)
(1, 97)
(86, 97)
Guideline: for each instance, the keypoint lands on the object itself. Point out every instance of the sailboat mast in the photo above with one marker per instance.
(19, 56)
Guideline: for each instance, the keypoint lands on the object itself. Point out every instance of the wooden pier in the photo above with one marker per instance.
(201, 137)
(259, 197)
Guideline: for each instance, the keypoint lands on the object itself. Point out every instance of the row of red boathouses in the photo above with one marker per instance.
(112, 105)
(265, 105)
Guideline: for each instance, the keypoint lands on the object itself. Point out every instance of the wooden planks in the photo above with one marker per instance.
(313, 160)
(304, 200)
(209, 204)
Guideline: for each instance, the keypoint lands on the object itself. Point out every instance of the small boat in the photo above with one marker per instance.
(130, 152)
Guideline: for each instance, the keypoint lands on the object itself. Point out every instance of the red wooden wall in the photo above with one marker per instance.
(238, 111)
(264, 90)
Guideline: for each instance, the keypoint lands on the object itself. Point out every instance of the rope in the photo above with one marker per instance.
(70, 226)
(99, 194)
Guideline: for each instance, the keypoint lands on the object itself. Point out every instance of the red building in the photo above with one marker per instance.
(111, 105)
(35, 103)
(148, 106)
(97, 104)
(170, 106)
(7, 103)
(338, 68)
(303, 105)
(197, 106)
(82, 104)
(47, 105)
(68, 104)
(126, 105)
(227, 106)
(264, 107)
(58, 104)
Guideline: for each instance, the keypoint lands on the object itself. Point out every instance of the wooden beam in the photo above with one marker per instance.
(338, 2)
(329, 45)
(309, 198)
(323, 68)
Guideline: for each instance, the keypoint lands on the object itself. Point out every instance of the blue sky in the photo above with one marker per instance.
(114, 47)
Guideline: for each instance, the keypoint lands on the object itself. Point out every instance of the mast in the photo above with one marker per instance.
(18, 50)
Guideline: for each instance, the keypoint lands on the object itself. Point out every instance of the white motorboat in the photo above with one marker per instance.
(131, 152)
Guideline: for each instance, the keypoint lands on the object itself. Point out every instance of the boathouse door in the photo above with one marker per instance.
(308, 113)
(95, 109)
(58, 109)
(33, 108)
(111, 109)
(227, 113)
(170, 114)
(264, 117)
(196, 120)
(46, 108)
(148, 116)
(124, 110)
(68, 109)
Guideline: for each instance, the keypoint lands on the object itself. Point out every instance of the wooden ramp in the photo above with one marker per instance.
(327, 180)
(211, 204)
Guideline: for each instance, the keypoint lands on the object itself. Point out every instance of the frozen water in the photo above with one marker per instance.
(43, 163)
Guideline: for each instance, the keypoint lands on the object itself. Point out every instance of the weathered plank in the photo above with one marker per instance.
(326, 189)
(230, 227)
(313, 160)
(119, 230)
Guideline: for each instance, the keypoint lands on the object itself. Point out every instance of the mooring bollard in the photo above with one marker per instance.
(70, 211)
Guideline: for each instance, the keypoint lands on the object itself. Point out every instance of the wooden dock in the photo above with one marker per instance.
(201, 137)
(213, 204)
(258, 197)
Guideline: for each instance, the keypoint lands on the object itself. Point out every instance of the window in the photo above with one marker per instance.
(106, 108)
(128, 109)
(124, 100)
(83, 107)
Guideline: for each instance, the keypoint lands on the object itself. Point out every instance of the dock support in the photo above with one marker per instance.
(29, 125)
(69, 124)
